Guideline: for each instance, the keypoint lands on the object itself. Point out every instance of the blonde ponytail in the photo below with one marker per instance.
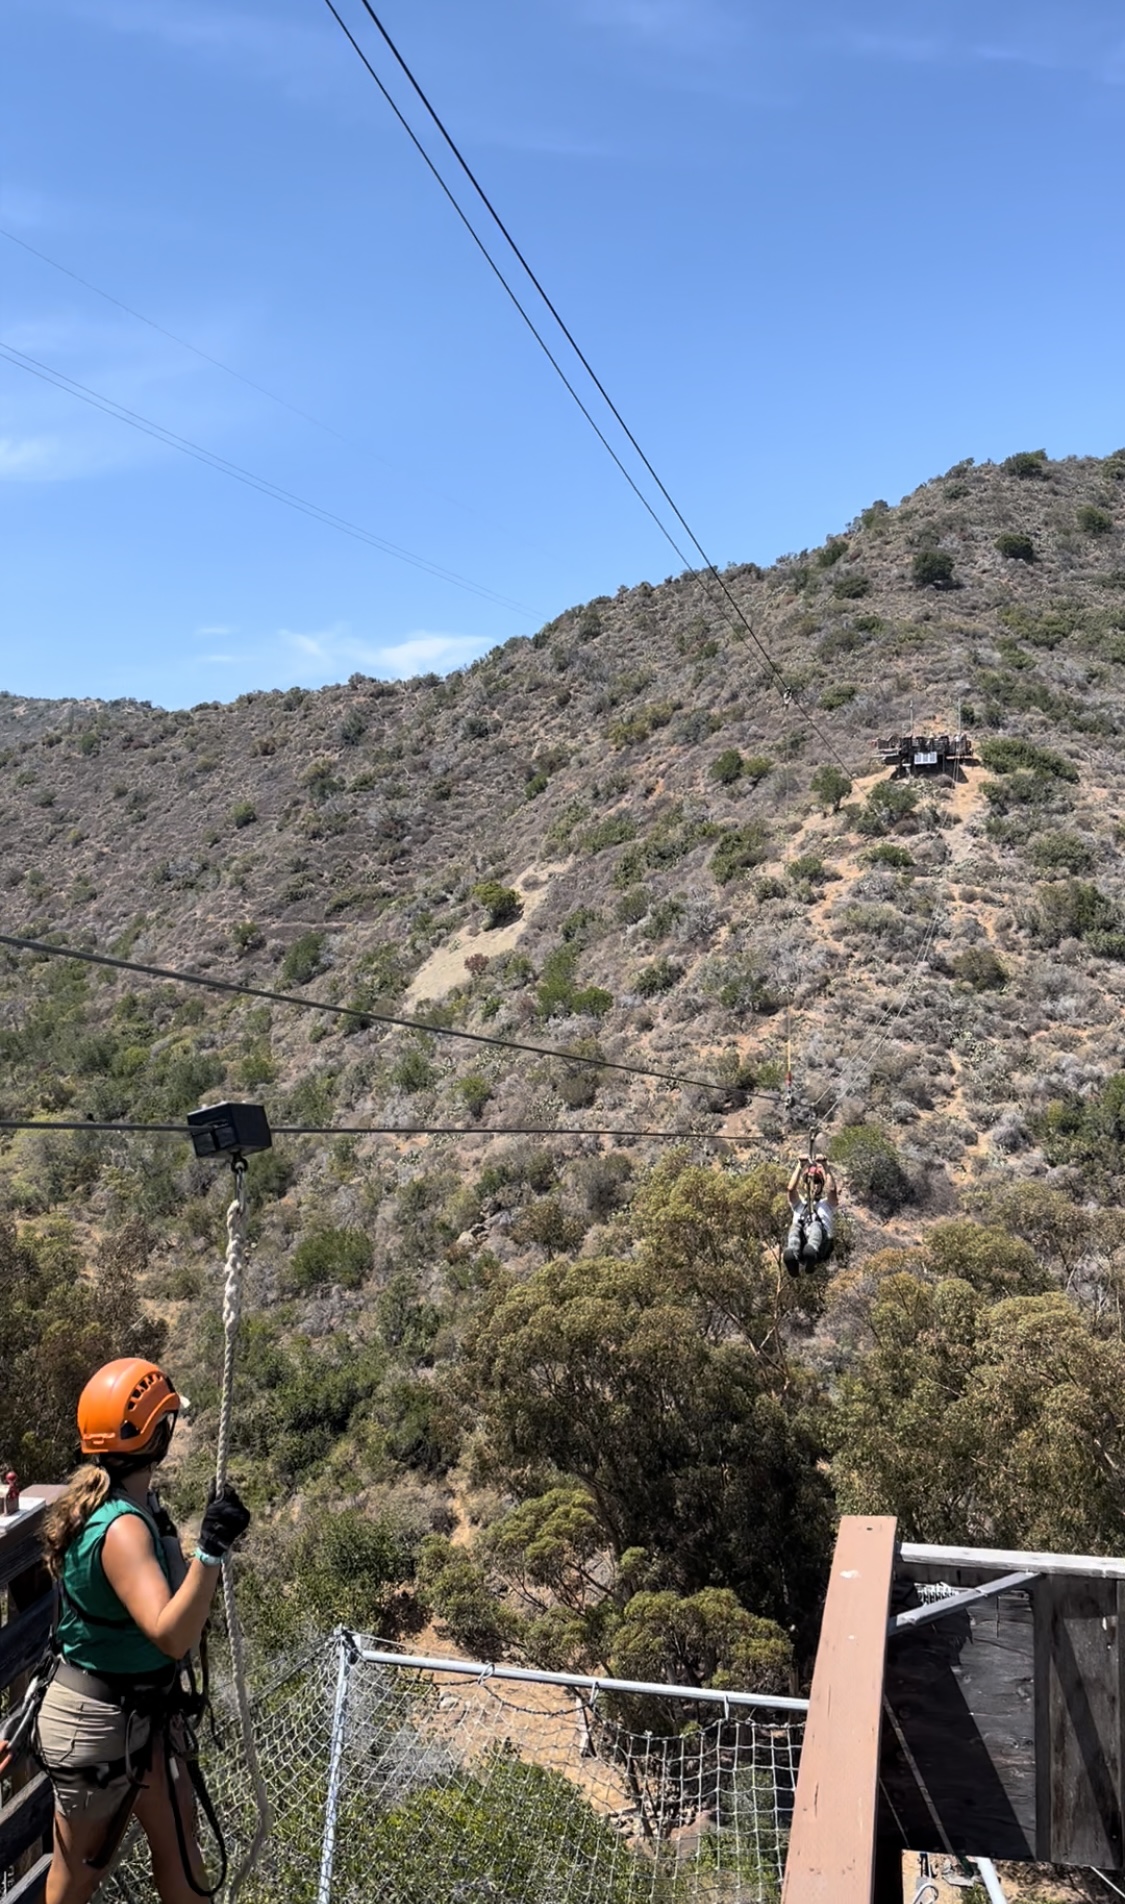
(87, 1488)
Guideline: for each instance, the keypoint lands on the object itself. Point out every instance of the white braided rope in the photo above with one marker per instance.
(232, 1316)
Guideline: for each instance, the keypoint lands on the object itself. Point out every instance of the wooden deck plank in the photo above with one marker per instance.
(832, 1844)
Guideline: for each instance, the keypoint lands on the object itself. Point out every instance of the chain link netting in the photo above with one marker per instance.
(455, 1790)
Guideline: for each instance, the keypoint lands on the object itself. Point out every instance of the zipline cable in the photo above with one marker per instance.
(888, 1019)
(499, 275)
(127, 1129)
(47, 373)
(352, 1012)
(217, 363)
(708, 566)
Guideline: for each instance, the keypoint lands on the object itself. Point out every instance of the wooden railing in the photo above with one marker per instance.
(834, 1854)
(25, 1592)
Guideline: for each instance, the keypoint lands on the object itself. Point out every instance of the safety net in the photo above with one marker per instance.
(391, 1783)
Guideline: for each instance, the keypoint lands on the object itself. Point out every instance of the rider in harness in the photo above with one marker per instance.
(813, 1200)
(114, 1725)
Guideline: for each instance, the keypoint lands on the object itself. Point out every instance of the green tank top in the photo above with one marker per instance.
(95, 1631)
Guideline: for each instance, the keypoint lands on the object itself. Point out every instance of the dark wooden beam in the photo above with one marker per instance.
(29, 1889)
(24, 1638)
(25, 1818)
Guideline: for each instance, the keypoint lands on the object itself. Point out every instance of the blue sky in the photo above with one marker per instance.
(818, 251)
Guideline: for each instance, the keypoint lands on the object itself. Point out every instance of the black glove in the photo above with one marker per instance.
(224, 1520)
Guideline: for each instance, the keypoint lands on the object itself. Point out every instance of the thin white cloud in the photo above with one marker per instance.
(907, 48)
(1042, 44)
(422, 652)
(540, 143)
(337, 650)
(259, 43)
(34, 459)
(213, 629)
(698, 26)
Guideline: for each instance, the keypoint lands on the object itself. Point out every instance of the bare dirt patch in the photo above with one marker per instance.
(445, 968)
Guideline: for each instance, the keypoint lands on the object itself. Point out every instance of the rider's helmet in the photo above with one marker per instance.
(122, 1409)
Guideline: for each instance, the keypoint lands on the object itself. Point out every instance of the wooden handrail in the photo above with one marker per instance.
(831, 1856)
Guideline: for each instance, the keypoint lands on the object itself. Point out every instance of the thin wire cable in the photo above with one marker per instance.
(708, 565)
(228, 370)
(868, 1052)
(47, 373)
(129, 1129)
(502, 280)
(183, 343)
(351, 1011)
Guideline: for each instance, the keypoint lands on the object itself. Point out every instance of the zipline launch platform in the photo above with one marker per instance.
(927, 753)
(966, 1702)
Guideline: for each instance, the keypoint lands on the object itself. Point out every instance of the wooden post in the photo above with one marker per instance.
(25, 1821)
(832, 1845)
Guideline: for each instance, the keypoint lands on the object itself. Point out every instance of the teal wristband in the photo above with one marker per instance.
(208, 1560)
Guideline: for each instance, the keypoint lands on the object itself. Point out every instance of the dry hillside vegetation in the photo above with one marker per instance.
(617, 838)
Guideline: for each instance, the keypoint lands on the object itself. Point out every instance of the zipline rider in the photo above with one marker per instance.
(112, 1726)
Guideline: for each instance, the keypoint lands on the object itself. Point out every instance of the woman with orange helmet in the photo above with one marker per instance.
(128, 1613)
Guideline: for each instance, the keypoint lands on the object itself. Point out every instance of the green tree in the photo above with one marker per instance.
(1072, 909)
(465, 1599)
(1063, 1234)
(501, 903)
(663, 1385)
(474, 1090)
(341, 1256)
(59, 1326)
(981, 968)
(700, 1639)
(344, 1567)
(726, 767)
(304, 959)
(886, 806)
(874, 1169)
(851, 588)
(1028, 465)
(510, 1831)
(1008, 755)
(1017, 548)
(830, 785)
(994, 1263)
(739, 848)
(1087, 1131)
(932, 568)
(1001, 1424)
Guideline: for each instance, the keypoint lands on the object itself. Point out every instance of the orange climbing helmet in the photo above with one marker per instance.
(123, 1405)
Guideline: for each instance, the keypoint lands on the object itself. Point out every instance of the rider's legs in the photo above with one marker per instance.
(813, 1243)
(794, 1242)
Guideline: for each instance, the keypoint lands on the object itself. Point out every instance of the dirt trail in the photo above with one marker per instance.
(445, 968)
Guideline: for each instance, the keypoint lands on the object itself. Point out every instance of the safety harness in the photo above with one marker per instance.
(173, 1702)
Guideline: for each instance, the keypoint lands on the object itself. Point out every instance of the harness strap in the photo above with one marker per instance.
(181, 1751)
(144, 1695)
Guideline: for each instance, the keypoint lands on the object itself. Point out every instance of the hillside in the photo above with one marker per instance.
(949, 961)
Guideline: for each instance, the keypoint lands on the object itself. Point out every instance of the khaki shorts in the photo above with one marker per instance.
(75, 1732)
